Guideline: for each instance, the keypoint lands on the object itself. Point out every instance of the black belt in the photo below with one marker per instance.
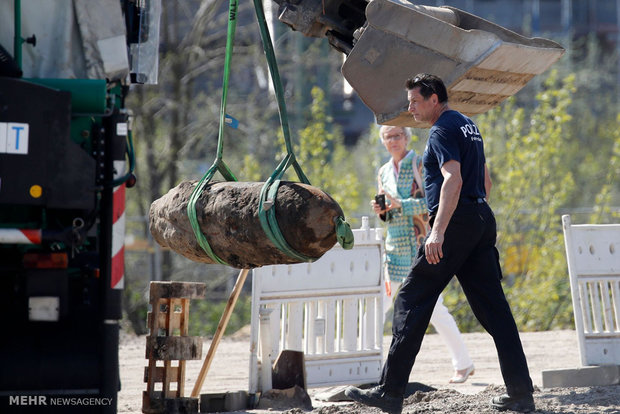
(472, 200)
(462, 201)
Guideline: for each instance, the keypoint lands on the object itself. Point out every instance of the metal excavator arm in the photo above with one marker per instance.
(335, 19)
(388, 41)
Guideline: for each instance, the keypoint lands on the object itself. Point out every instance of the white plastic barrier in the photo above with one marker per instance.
(593, 255)
(331, 310)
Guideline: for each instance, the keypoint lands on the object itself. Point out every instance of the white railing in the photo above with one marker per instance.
(593, 255)
(331, 310)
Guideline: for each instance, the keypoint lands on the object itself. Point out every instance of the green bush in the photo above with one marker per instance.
(204, 316)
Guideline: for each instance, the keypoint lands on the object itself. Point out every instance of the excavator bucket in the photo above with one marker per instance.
(481, 63)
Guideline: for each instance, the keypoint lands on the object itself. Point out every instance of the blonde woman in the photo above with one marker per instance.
(406, 216)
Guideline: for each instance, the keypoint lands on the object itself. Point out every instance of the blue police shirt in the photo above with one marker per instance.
(454, 137)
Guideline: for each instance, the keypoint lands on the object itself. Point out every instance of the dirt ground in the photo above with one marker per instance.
(544, 350)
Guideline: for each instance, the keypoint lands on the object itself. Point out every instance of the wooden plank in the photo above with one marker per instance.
(159, 373)
(166, 320)
(153, 331)
(187, 290)
(184, 317)
(219, 332)
(168, 323)
(158, 320)
(184, 327)
(171, 320)
(167, 380)
(169, 305)
(166, 348)
(180, 377)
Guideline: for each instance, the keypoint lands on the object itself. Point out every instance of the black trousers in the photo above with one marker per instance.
(470, 254)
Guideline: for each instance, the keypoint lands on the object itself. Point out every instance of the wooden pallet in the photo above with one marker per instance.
(167, 342)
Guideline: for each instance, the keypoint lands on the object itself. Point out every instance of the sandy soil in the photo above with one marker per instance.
(544, 351)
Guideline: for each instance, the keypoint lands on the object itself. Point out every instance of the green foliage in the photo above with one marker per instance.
(135, 307)
(594, 108)
(606, 197)
(204, 316)
(250, 170)
(324, 158)
(532, 156)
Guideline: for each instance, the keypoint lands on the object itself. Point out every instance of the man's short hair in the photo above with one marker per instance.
(429, 85)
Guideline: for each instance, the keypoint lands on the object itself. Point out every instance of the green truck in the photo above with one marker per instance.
(66, 158)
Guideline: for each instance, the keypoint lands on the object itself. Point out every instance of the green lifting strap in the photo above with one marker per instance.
(266, 211)
(218, 164)
(269, 190)
(267, 201)
(344, 234)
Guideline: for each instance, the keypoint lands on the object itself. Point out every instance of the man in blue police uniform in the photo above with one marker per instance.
(462, 243)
